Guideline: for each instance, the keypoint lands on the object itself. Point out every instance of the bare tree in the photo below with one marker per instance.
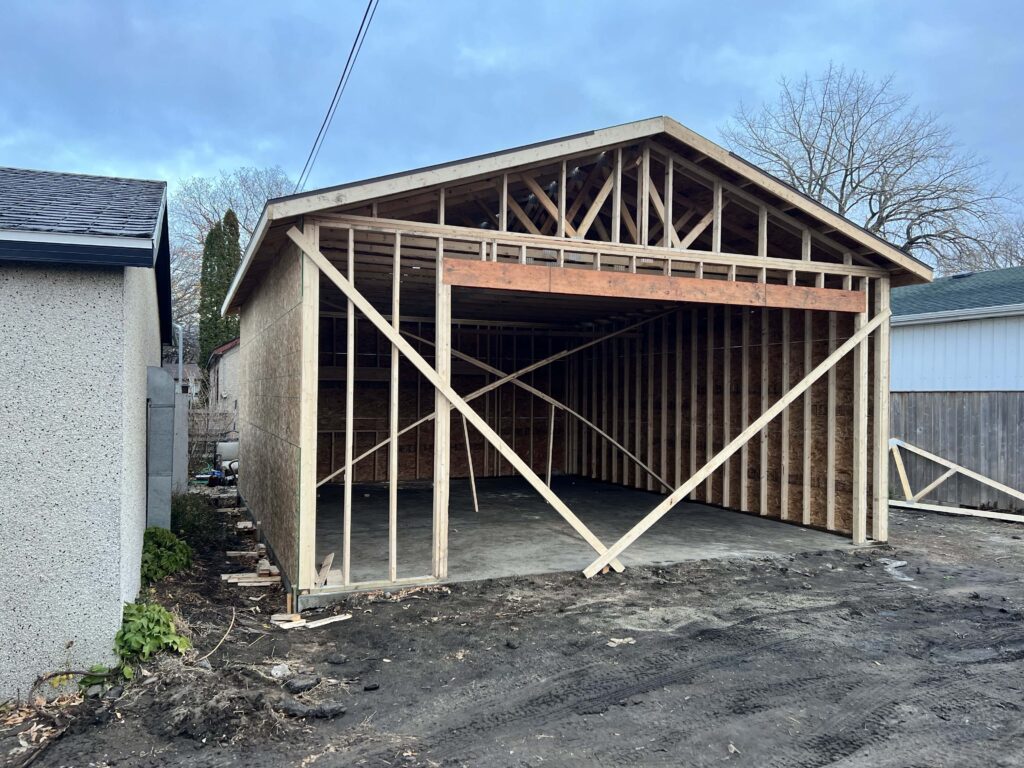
(862, 149)
(196, 205)
(1003, 248)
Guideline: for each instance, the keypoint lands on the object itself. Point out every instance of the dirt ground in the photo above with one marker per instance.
(808, 660)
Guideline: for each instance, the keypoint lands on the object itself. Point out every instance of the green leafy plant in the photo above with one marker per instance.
(146, 629)
(194, 519)
(163, 553)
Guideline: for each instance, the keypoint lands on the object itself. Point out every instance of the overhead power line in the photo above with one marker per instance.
(339, 91)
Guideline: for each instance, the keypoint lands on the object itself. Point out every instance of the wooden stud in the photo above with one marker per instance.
(350, 378)
(393, 469)
(726, 398)
(563, 225)
(830, 437)
(617, 197)
(716, 229)
(310, 356)
(649, 428)
(693, 391)
(762, 508)
(442, 417)
(880, 475)
(663, 375)
(503, 209)
(860, 429)
(643, 209)
(763, 233)
(670, 237)
(641, 342)
(709, 400)
(615, 390)
(718, 459)
(744, 409)
(678, 403)
(784, 423)
(808, 429)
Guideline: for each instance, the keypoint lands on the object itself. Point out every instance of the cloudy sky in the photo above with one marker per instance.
(170, 90)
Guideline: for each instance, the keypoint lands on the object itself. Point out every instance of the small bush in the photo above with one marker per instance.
(163, 553)
(194, 519)
(146, 629)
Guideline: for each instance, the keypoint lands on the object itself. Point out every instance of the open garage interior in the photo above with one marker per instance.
(629, 337)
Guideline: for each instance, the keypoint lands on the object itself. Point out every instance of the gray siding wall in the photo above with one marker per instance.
(983, 431)
(74, 345)
(984, 355)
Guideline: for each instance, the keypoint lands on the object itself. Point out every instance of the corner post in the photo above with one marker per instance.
(442, 420)
(880, 511)
(310, 335)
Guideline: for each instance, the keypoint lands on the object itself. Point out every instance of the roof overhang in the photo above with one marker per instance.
(292, 207)
(955, 315)
(78, 249)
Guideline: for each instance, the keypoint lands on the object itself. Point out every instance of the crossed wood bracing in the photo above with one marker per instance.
(491, 250)
(912, 499)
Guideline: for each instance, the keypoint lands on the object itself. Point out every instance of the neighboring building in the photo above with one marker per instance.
(958, 381)
(222, 374)
(191, 382)
(84, 307)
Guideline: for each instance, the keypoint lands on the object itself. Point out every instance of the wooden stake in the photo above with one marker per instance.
(469, 461)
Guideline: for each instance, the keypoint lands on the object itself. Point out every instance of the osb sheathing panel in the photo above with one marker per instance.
(270, 331)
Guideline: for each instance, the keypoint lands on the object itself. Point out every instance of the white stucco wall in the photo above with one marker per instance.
(74, 343)
(141, 348)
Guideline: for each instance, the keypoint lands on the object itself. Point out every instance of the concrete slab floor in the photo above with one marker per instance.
(516, 532)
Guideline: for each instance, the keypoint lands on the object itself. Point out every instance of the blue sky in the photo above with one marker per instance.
(169, 90)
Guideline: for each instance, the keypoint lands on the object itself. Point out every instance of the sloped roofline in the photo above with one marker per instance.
(496, 162)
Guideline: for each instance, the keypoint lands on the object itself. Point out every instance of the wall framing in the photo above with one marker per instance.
(683, 336)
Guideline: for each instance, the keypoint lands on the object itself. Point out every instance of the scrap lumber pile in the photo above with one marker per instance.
(265, 575)
(295, 620)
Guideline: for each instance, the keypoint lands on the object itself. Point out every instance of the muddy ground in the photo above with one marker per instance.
(829, 658)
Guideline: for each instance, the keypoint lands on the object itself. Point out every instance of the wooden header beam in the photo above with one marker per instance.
(533, 278)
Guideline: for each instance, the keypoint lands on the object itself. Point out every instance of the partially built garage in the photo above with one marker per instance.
(630, 319)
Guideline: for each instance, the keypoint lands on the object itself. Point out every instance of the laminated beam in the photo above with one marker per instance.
(533, 278)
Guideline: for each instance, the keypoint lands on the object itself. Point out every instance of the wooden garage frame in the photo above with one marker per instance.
(635, 305)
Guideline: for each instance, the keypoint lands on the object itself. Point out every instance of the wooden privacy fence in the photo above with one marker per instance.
(980, 430)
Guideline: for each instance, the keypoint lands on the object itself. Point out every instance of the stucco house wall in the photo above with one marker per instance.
(74, 346)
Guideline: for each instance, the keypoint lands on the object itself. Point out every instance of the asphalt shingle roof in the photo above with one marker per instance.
(972, 290)
(70, 203)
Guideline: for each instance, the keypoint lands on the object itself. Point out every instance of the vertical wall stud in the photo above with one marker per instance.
(880, 513)
(860, 428)
(396, 286)
(442, 418)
